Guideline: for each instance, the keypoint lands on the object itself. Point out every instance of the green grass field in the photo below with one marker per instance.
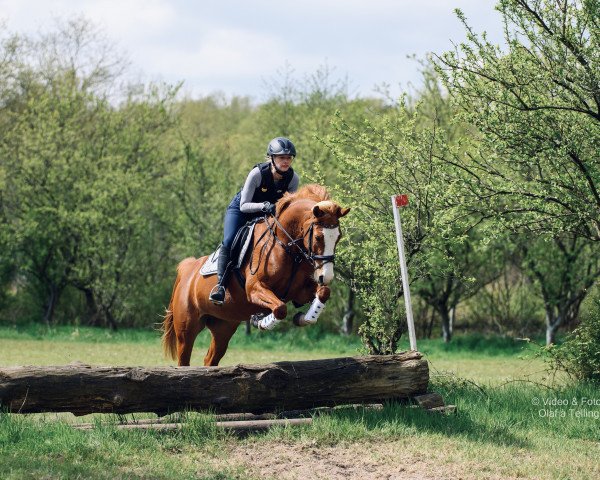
(501, 429)
(476, 358)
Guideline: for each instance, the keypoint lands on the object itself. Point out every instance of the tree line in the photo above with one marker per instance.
(105, 185)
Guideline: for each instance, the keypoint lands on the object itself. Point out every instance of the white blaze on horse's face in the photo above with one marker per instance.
(325, 272)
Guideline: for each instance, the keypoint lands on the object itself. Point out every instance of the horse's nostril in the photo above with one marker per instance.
(321, 279)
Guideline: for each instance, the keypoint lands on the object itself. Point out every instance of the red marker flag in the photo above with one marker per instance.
(401, 200)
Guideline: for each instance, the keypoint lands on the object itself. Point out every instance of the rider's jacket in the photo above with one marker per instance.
(269, 190)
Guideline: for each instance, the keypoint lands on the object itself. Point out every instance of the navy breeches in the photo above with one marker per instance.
(234, 220)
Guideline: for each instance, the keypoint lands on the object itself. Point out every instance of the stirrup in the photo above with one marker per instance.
(215, 294)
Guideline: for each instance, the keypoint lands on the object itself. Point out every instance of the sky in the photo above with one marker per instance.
(241, 47)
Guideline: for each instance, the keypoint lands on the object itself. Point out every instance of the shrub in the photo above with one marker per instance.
(579, 355)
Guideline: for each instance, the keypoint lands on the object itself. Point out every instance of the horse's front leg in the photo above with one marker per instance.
(322, 294)
(261, 295)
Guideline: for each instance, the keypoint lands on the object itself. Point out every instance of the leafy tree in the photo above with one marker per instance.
(579, 356)
(388, 154)
(85, 204)
(510, 305)
(217, 148)
(564, 269)
(536, 104)
(455, 272)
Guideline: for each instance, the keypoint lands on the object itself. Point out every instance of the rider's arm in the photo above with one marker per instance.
(294, 182)
(252, 183)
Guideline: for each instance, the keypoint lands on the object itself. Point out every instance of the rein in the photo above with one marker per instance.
(299, 255)
(303, 255)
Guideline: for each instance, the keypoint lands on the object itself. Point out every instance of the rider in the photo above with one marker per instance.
(266, 183)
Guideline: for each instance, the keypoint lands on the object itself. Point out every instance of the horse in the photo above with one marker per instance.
(291, 259)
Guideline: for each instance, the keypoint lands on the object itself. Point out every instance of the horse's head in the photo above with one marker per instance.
(322, 233)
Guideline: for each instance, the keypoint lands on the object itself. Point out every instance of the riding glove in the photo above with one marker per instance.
(268, 207)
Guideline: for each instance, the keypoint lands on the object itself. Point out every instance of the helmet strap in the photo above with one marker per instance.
(280, 172)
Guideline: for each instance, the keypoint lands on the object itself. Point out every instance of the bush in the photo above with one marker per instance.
(579, 355)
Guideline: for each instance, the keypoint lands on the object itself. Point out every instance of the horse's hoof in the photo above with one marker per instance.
(280, 312)
(255, 319)
(298, 320)
(264, 322)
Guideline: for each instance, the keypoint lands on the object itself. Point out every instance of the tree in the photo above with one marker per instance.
(457, 271)
(86, 204)
(385, 155)
(536, 104)
(564, 269)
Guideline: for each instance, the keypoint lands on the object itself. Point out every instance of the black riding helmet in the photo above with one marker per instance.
(281, 146)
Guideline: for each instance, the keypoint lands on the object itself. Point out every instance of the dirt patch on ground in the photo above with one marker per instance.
(380, 461)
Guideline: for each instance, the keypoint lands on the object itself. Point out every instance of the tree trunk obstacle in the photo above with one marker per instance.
(83, 389)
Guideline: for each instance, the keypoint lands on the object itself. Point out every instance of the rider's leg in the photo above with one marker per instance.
(234, 219)
(218, 294)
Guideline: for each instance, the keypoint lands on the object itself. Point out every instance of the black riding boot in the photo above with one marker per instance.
(217, 295)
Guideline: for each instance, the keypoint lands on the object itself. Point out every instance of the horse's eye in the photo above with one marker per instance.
(318, 238)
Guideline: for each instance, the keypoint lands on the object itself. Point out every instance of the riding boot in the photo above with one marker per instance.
(217, 295)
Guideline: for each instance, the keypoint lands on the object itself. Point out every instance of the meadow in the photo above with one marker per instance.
(498, 431)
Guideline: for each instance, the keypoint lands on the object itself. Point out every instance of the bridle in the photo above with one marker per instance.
(301, 253)
(295, 247)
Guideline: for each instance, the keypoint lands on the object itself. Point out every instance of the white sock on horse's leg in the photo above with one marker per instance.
(268, 323)
(313, 313)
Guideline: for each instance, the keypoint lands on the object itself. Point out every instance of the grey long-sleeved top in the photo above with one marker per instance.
(252, 183)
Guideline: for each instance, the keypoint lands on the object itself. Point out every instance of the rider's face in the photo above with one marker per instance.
(283, 162)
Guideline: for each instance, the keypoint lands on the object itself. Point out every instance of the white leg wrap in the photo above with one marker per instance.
(268, 323)
(313, 313)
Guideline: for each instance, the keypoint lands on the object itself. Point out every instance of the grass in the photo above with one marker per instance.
(481, 359)
(495, 430)
(31, 448)
(502, 429)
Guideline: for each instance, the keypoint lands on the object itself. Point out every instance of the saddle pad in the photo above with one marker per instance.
(210, 266)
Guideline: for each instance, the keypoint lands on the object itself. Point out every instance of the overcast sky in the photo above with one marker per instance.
(235, 46)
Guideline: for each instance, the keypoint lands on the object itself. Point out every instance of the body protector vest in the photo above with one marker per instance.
(269, 190)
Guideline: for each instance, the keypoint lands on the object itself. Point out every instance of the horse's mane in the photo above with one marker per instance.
(312, 191)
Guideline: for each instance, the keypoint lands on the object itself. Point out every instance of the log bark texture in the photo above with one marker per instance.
(83, 389)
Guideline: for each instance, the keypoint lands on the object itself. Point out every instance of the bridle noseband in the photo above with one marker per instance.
(324, 258)
(299, 253)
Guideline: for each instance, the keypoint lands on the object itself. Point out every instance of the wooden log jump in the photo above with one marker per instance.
(83, 389)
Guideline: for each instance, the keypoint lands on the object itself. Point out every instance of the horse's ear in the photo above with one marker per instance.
(342, 212)
(317, 212)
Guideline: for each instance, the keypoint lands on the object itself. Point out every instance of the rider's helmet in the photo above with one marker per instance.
(281, 146)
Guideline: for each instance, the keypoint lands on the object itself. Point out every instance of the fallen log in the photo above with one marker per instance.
(236, 417)
(83, 389)
(238, 426)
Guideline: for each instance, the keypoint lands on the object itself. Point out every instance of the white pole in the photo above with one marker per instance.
(404, 271)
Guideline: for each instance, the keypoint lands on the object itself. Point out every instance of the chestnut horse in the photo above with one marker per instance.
(291, 260)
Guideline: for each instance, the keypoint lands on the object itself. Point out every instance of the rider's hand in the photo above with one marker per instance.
(268, 207)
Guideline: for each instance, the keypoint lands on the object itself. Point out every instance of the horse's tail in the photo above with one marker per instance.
(169, 341)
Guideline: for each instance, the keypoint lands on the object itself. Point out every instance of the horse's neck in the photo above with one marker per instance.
(291, 220)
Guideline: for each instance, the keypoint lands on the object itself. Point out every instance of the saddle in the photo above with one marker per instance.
(242, 244)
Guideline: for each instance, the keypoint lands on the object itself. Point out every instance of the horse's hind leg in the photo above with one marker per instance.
(187, 329)
(222, 332)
